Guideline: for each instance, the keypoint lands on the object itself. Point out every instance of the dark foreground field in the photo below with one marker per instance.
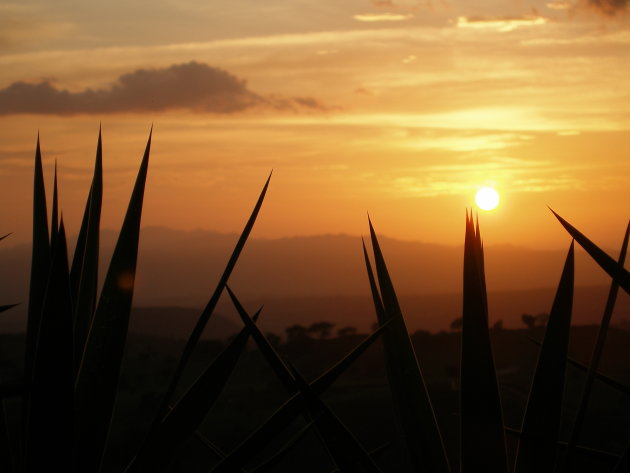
(360, 398)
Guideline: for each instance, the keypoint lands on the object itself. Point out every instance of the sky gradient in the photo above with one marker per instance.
(402, 109)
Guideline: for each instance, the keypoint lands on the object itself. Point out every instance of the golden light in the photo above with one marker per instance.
(487, 198)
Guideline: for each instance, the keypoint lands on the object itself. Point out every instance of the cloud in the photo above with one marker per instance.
(502, 24)
(608, 7)
(374, 17)
(559, 5)
(192, 86)
(25, 25)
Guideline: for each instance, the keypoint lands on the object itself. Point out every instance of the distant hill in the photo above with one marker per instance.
(323, 277)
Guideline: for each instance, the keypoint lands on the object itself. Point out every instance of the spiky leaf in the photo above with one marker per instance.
(288, 412)
(54, 225)
(483, 445)
(6, 453)
(622, 388)
(50, 426)
(270, 463)
(40, 262)
(614, 270)
(189, 412)
(595, 358)
(209, 309)
(539, 435)
(97, 379)
(348, 454)
(85, 273)
(418, 430)
(346, 451)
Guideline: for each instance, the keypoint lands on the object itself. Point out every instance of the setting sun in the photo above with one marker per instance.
(487, 198)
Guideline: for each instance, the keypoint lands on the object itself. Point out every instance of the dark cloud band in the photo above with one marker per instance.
(609, 7)
(192, 86)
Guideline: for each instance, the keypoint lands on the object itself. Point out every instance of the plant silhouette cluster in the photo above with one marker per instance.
(76, 336)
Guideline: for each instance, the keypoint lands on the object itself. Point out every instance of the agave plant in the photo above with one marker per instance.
(482, 429)
(75, 342)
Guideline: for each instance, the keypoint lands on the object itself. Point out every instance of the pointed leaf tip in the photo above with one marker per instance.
(619, 274)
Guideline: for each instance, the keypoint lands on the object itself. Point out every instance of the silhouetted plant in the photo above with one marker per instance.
(75, 342)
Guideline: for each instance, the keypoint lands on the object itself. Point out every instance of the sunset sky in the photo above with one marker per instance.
(399, 108)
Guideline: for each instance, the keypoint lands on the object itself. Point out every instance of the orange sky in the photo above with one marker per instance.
(399, 108)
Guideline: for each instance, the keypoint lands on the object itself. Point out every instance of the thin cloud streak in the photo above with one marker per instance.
(501, 24)
(377, 17)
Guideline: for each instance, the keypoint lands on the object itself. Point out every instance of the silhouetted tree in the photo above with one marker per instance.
(498, 325)
(321, 329)
(456, 324)
(541, 319)
(346, 331)
(538, 320)
(296, 332)
(273, 338)
(529, 320)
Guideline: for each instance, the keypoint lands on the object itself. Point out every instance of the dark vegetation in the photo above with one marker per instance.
(79, 396)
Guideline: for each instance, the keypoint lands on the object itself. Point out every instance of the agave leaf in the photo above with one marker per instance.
(214, 299)
(97, 379)
(595, 358)
(348, 454)
(79, 250)
(623, 388)
(289, 411)
(50, 426)
(54, 226)
(190, 411)
(346, 451)
(614, 270)
(7, 307)
(539, 435)
(483, 445)
(6, 455)
(40, 263)
(86, 257)
(623, 464)
(374, 453)
(12, 390)
(585, 451)
(268, 351)
(216, 451)
(270, 463)
(376, 298)
(418, 430)
(210, 446)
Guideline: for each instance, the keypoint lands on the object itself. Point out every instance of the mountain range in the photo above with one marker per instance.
(301, 280)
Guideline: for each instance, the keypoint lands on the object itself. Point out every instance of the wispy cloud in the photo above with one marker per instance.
(374, 17)
(500, 24)
(192, 86)
(457, 178)
(559, 5)
(24, 24)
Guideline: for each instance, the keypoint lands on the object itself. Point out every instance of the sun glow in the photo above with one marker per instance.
(487, 198)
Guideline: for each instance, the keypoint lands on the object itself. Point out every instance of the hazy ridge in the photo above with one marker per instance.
(305, 279)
